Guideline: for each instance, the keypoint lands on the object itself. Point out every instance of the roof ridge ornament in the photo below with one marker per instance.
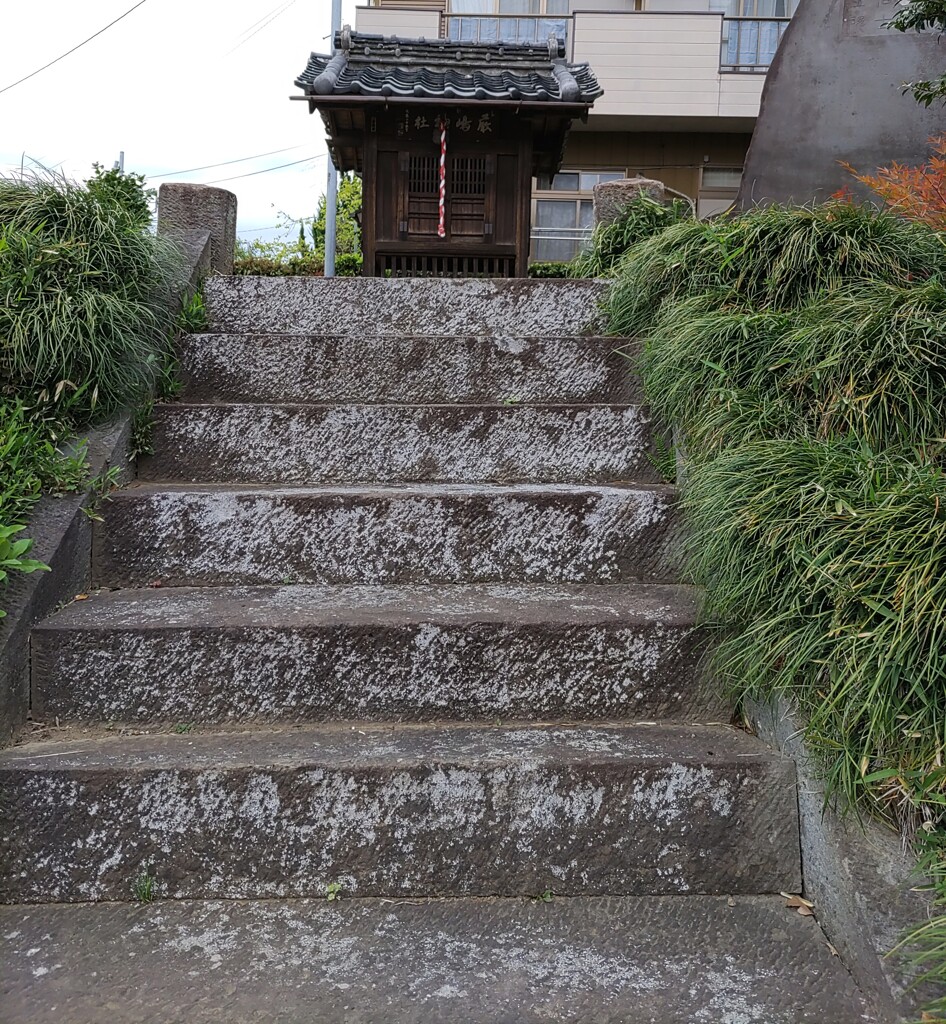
(568, 86)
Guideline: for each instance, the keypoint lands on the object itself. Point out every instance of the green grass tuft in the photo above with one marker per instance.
(802, 355)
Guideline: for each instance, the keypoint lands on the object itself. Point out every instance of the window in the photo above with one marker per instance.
(563, 212)
(755, 8)
(721, 177)
(506, 21)
(530, 7)
(718, 188)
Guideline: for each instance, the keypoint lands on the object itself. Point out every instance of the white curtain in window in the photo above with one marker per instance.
(471, 7)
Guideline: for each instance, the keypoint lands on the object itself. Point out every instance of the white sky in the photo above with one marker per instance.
(177, 84)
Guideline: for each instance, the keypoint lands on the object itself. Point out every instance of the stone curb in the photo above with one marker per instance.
(860, 875)
(62, 538)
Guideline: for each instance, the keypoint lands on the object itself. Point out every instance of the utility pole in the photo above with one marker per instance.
(331, 191)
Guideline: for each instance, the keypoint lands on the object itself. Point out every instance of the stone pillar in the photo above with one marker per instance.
(612, 196)
(184, 208)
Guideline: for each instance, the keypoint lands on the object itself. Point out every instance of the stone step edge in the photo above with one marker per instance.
(358, 744)
(436, 339)
(562, 598)
(399, 405)
(388, 490)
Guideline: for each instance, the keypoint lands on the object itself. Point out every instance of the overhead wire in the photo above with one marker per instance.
(266, 170)
(223, 163)
(32, 74)
(278, 13)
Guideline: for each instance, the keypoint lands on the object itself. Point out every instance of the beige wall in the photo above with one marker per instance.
(409, 24)
(675, 158)
(649, 64)
(662, 65)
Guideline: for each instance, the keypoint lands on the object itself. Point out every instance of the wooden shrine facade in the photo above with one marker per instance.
(469, 124)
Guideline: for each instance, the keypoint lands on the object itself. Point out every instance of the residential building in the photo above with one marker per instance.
(682, 79)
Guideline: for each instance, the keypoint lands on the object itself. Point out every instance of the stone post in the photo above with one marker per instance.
(612, 196)
(185, 208)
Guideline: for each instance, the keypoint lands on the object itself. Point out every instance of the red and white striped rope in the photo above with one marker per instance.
(442, 226)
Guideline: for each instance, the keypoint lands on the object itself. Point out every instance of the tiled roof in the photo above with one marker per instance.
(371, 65)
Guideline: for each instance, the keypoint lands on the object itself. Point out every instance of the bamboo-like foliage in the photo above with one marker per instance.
(774, 258)
(802, 353)
(83, 311)
(640, 219)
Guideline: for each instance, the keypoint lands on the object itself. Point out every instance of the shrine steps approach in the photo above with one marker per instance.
(393, 615)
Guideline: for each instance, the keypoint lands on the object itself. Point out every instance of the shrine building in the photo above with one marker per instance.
(447, 138)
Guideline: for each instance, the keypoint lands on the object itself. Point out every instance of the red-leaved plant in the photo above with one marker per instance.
(917, 193)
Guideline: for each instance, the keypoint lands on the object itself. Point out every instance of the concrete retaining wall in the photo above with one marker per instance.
(860, 876)
(62, 538)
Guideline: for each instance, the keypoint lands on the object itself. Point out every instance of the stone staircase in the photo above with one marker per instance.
(391, 616)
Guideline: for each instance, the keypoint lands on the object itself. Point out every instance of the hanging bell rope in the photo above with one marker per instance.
(442, 225)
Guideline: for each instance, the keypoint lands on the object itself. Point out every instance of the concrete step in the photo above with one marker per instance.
(405, 369)
(397, 652)
(314, 444)
(367, 306)
(663, 960)
(382, 810)
(435, 533)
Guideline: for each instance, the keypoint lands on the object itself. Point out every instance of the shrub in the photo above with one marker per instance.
(125, 193)
(348, 264)
(551, 269)
(642, 218)
(917, 193)
(264, 266)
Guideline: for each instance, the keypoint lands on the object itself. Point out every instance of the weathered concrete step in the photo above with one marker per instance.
(659, 960)
(406, 369)
(395, 652)
(434, 533)
(366, 306)
(313, 444)
(429, 810)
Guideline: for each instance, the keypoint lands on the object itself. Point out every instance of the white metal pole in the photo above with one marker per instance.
(331, 191)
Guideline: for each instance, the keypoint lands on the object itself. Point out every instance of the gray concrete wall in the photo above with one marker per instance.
(834, 93)
(861, 876)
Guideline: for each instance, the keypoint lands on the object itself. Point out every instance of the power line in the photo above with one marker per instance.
(266, 170)
(224, 163)
(20, 81)
(282, 10)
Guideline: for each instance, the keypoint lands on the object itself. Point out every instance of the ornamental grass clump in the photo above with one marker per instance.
(640, 219)
(774, 258)
(864, 358)
(84, 317)
(85, 326)
(802, 356)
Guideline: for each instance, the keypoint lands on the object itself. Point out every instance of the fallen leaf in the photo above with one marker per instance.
(81, 597)
(834, 952)
(793, 900)
(155, 583)
(730, 902)
(805, 911)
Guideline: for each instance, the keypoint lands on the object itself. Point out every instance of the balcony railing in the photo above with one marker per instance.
(505, 28)
(749, 44)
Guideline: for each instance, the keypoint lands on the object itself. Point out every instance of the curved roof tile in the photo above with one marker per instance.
(370, 65)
